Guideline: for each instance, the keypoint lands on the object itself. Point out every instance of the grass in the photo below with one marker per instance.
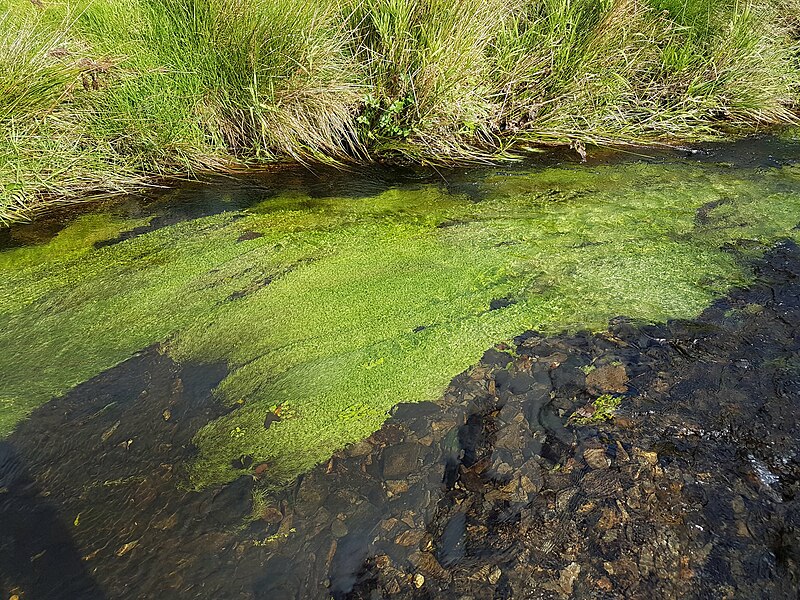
(102, 96)
(348, 305)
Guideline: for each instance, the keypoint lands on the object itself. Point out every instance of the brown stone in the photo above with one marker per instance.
(608, 379)
(272, 515)
(361, 448)
(597, 458)
(604, 583)
(566, 580)
(426, 562)
(395, 487)
(410, 537)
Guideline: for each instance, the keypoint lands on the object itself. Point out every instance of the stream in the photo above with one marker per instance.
(541, 380)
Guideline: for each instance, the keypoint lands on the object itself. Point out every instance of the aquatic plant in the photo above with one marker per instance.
(108, 95)
(601, 409)
(344, 306)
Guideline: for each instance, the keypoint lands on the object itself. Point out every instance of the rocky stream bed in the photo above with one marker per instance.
(514, 485)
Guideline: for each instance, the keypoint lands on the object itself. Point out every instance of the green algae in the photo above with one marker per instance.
(346, 306)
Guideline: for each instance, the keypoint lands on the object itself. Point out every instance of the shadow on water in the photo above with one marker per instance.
(92, 488)
(37, 552)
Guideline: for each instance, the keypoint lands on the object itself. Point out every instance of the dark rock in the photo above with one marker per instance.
(401, 460)
(233, 503)
(249, 235)
(499, 303)
(608, 379)
(270, 419)
(495, 358)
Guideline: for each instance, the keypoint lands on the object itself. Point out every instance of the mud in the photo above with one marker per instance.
(513, 485)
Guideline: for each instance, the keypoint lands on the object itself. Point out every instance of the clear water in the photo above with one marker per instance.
(297, 308)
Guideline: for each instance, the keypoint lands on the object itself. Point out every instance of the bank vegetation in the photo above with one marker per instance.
(107, 96)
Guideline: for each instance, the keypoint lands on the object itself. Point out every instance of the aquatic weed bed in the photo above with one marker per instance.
(509, 486)
(329, 309)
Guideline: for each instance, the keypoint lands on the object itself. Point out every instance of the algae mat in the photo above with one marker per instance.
(329, 310)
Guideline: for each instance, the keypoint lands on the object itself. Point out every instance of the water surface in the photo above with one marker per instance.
(261, 324)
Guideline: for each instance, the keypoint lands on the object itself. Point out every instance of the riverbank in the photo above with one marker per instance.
(640, 461)
(110, 96)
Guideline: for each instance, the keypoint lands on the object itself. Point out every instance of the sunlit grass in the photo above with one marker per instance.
(106, 95)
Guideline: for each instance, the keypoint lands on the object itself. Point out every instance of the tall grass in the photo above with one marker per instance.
(106, 95)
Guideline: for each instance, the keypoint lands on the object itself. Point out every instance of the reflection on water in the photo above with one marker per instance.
(282, 318)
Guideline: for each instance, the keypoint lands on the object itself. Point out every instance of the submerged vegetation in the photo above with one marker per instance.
(108, 95)
(330, 310)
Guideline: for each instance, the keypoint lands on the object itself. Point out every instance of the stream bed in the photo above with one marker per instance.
(194, 388)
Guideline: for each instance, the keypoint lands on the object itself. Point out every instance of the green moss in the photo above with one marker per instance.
(347, 306)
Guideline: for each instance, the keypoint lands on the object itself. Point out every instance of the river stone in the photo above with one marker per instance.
(608, 379)
(566, 580)
(494, 575)
(410, 537)
(233, 502)
(509, 438)
(597, 458)
(361, 448)
(401, 460)
(338, 529)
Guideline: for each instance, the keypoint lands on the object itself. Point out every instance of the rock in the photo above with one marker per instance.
(396, 487)
(338, 529)
(596, 458)
(509, 438)
(648, 457)
(400, 460)
(419, 580)
(607, 379)
(249, 235)
(167, 522)
(125, 548)
(533, 472)
(309, 498)
(245, 461)
(272, 514)
(270, 419)
(494, 575)
(410, 537)
(233, 502)
(528, 486)
(604, 583)
(361, 448)
(499, 303)
(427, 563)
(566, 580)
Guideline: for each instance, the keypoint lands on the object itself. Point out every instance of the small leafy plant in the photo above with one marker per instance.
(385, 118)
(602, 409)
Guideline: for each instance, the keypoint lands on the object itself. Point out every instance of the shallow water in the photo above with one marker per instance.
(155, 349)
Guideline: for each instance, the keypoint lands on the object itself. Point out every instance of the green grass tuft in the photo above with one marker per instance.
(101, 96)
